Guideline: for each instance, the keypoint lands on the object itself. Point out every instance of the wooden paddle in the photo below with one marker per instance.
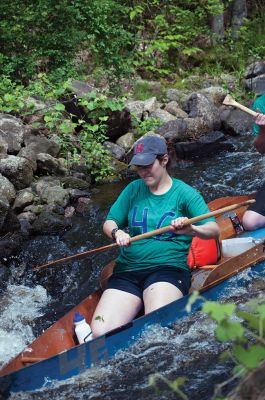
(229, 101)
(145, 235)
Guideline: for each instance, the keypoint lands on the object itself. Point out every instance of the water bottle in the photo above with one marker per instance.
(82, 329)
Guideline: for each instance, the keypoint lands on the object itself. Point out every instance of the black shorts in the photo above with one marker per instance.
(259, 206)
(135, 282)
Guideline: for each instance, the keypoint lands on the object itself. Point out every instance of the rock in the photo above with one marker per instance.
(10, 245)
(74, 183)
(12, 131)
(30, 155)
(212, 142)
(150, 105)
(47, 164)
(11, 222)
(69, 212)
(49, 222)
(55, 195)
(18, 170)
(82, 88)
(163, 115)
(83, 205)
(115, 150)
(177, 95)
(214, 94)
(44, 182)
(255, 69)
(199, 106)
(7, 189)
(119, 122)
(126, 141)
(27, 215)
(3, 146)
(256, 84)
(197, 127)
(173, 108)
(235, 122)
(24, 198)
(76, 193)
(4, 208)
(40, 144)
(35, 209)
(175, 130)
(135, 108)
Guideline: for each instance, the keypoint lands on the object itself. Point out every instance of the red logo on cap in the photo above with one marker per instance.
(139, 148)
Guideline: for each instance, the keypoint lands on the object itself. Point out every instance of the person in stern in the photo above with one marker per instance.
(150, 272)
(254, 217)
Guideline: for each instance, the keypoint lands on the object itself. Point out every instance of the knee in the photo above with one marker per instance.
(98, 329)
(252, 221)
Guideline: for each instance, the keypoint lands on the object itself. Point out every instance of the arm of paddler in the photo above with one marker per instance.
(259, 141)
(111, 229)
(209, 230)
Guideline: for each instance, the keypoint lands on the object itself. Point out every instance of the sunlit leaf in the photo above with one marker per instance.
(228, 330)
(218, 312)
(251, 357)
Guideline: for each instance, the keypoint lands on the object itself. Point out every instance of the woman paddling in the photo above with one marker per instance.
(152, 272)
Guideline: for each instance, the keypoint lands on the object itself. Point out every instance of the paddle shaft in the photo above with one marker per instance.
(229, 101)
(146, 235)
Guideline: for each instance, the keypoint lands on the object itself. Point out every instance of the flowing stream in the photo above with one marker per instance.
(32, 302)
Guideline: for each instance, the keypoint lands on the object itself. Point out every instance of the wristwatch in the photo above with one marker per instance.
(113, 232)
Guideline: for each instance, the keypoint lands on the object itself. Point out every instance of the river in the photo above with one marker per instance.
(33, 301)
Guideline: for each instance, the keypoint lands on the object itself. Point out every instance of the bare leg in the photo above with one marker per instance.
(252, 220)
(114, 309)
(159, 294)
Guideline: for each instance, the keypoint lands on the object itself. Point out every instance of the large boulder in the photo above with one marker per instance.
(18, 170)
(212, 142)
(7, 189)
(40, 144)
(199, 106)
(126, 141)
(235, 122)
(175, 130)
(47, 164)
(46, 181)
(12, 131)
(24, 198)
(55, 195)
(116, 151)
(255, 77)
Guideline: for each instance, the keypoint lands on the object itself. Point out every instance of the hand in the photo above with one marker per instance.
(122, 238)
(259, 119)
(181, 227)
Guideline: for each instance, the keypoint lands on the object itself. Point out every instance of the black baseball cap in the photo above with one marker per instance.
(147, 149)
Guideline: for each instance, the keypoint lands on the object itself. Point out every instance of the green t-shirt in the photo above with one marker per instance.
(260, 104)
(143, 211)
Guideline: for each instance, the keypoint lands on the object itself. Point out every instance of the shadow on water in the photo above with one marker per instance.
(186, 349)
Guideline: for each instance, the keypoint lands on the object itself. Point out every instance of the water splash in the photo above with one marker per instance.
(19, 308)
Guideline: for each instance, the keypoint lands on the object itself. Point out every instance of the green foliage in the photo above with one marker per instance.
(147, 125)
(86, 147)
(46, 35)
(174, 386)
(246, 334)
(13, 96)
(165, 41)
(143, 90)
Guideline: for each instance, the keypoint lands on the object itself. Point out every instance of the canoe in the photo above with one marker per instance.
(55, 355)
